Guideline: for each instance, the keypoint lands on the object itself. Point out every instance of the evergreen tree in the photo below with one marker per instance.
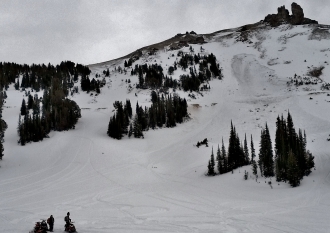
(225, 158)
(293, 170)
(236, 156)
(254, 167)
(232, 156)
(291, 132)
(220, 161)
(211, 165)
(23, 108)
(310, 163)
(266, 162)
(137, 129)
(30, 102)
(246, 152)
(301, 154)
(281, 150)
(253, 160)
(253, 153)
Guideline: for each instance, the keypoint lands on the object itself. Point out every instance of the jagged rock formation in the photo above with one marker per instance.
(297, 14)
(283, 16)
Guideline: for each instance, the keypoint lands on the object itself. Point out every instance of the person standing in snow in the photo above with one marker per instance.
(67, 220)
(50, 222)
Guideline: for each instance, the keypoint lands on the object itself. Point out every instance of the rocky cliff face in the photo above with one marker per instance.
(283, 16)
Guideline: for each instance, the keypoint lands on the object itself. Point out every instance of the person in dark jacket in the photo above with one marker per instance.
(67, 220)
(50, 222)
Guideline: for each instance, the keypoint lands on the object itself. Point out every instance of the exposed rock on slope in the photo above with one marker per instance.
(283, 16)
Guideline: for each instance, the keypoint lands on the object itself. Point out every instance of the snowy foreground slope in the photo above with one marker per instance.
(158, 184)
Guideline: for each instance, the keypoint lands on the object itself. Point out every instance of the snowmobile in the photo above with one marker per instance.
(70, 228)
(40, 227)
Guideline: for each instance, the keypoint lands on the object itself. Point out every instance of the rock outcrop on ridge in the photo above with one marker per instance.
(283, 16)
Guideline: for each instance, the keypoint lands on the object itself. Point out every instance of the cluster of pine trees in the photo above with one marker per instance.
(119, 122)
(207, 64)
(128, 63)
(292, 160)
(88, 85)
(237, 155)
(54, 112)
(164, 111)
(291, 163)
(39, 77)
(169, 82)
(9, 72)
(149, 75)
(152, 76)
(208, 68)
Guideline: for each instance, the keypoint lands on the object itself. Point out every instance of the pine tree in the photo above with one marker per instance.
(291, 132)
(225, 158)
(220, 161)
(211, 165)
(254, 167)
(246, 152)
(310, 163)
(232, 151)
(30, 102)
(266, 162)
(281, 149)
(253, 153)
(301, 154)
(23, 108)
(253, 161)
(293, 170)
(137, 129)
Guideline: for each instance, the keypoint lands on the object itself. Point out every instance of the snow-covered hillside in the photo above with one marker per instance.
(158, 184)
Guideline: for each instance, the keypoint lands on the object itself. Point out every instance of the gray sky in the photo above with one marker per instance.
(92, 31)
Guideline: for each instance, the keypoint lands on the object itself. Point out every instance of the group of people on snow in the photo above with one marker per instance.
(51, 221)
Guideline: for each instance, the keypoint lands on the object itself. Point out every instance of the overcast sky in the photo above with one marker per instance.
(92, 31)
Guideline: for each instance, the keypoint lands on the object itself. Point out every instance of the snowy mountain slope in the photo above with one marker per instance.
(158, 184)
